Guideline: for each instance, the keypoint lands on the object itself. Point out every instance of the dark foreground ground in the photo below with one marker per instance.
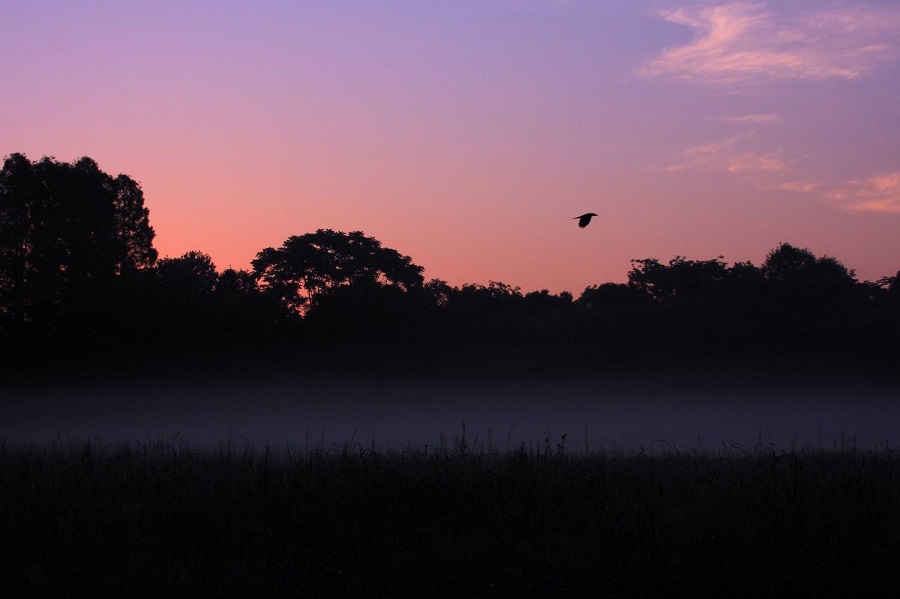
(163, 520)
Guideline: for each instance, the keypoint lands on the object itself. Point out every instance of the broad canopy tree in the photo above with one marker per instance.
(809, 296)
(307, 268)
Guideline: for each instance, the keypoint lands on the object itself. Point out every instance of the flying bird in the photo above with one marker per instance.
(585, 219)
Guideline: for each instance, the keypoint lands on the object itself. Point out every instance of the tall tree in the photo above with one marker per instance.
(69, 233)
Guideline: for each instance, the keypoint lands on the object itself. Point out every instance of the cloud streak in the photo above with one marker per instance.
(740, 42)
(880, 193)
(770, 117)
(752, 162)
(800, 186)
(727, 155)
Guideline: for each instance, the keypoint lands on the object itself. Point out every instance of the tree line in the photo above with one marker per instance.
(81, 280)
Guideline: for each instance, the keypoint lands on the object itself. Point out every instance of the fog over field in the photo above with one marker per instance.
(602, 413)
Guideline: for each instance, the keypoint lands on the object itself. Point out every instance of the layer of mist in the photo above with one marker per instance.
(597, 414)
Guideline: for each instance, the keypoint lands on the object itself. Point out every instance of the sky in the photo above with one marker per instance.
(468, 134)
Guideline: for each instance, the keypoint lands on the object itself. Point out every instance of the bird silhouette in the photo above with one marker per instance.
(585, 219)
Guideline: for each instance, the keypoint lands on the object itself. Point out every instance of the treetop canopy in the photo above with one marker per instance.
(307, 266)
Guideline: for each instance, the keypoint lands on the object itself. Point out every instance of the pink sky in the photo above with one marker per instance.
(467, 134)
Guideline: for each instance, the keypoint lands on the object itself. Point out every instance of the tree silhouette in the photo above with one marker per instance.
(192, 274)
(800, 270)
(235, 282)
(807, 298)
(682, 280)
(307, 267)
(78, 271)
(70, 233)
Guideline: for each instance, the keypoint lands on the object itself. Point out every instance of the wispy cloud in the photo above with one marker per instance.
(752, 162)
(704, 156)
(880, 193)
(800, 186)
(728, 155)
(739, 42)
(769, 117)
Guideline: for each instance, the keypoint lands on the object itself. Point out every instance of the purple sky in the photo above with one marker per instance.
(468, 134)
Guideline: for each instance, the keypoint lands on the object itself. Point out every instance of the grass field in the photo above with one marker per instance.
(167, 520)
